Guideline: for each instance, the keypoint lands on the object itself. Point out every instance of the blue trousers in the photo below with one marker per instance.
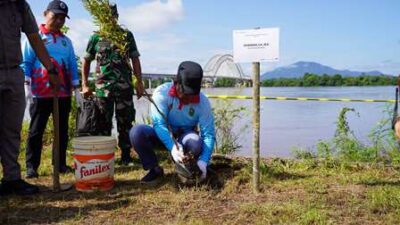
(144, 140)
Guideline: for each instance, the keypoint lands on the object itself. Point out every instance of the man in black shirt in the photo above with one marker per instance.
(16, 16)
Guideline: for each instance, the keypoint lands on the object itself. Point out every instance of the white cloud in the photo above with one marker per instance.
(387, 67)
(79, 33)
(152, 15)
(160, 52)
(163, 53)
(164, 42)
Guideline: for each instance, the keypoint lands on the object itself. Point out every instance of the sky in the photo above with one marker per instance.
(360, 35)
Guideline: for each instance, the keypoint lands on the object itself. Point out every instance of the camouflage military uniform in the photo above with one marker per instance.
(114, 86)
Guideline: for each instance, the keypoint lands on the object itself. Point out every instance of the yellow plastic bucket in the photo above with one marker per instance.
(94, 162)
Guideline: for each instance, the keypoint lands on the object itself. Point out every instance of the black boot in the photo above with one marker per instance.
(19, 187)
(126, 159)
(31, 173)
(153, 175)
(66, 169)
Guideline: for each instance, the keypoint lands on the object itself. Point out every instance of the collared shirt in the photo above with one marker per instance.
(61, 50)
(14, 19)
(115, 74)
(183, 118)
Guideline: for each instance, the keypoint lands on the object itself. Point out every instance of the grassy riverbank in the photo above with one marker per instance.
(343, 182)
(308, 191)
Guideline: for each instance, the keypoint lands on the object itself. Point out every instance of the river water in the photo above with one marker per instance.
(301, 124)
(286, 125)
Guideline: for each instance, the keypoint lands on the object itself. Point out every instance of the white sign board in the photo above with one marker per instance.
(256, 45)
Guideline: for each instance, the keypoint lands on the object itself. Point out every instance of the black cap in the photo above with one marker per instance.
(189, 77)
(114, 10)
(58, 7)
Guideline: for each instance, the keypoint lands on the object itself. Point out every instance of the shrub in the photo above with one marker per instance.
(226, 115)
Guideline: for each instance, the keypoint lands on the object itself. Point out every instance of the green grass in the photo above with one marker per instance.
(342, 183)
(384, 199)
(292, 192)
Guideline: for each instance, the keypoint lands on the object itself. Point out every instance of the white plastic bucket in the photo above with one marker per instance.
(94, 162)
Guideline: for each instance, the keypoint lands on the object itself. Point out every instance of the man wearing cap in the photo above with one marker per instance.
(38, 91)
(188, 113)
(114, 85)
(16, 16)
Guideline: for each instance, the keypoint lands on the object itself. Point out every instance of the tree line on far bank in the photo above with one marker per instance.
(312, 80)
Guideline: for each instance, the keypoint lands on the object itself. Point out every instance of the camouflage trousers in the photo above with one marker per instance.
(122, 101)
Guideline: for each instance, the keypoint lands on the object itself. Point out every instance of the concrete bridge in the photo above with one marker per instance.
(219, 66)
(223, 66)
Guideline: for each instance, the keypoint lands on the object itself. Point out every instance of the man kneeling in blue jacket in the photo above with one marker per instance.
(189, 115)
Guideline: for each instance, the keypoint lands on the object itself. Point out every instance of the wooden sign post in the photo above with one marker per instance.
(256, 45)
(256, 127)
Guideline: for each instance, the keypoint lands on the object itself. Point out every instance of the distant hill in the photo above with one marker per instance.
(300, 68)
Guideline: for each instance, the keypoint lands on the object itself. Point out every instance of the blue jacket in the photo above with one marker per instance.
(183, 118)
(62, 52)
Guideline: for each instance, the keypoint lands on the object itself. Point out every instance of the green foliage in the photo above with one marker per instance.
(324, 150)
(47, 135)
(226, 114)
(65, 29)
(314, 215)
(345, 148)
(48, 132)
(300, 153)
(345, 143)
(310, 80)
(72, 118)
(384, 140)
(107, 23)
(74, 113)
(24, 135)
(225, 82)
(313, 80)
(383, 200)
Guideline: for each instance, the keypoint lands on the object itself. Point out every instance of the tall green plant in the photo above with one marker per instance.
(107, 23)
(383, 139)
(344, 142)
(226, 116)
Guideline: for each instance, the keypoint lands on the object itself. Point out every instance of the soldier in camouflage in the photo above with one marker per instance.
(114, 85)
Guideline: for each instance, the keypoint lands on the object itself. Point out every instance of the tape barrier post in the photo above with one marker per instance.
(396, 104)
(256, 127)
